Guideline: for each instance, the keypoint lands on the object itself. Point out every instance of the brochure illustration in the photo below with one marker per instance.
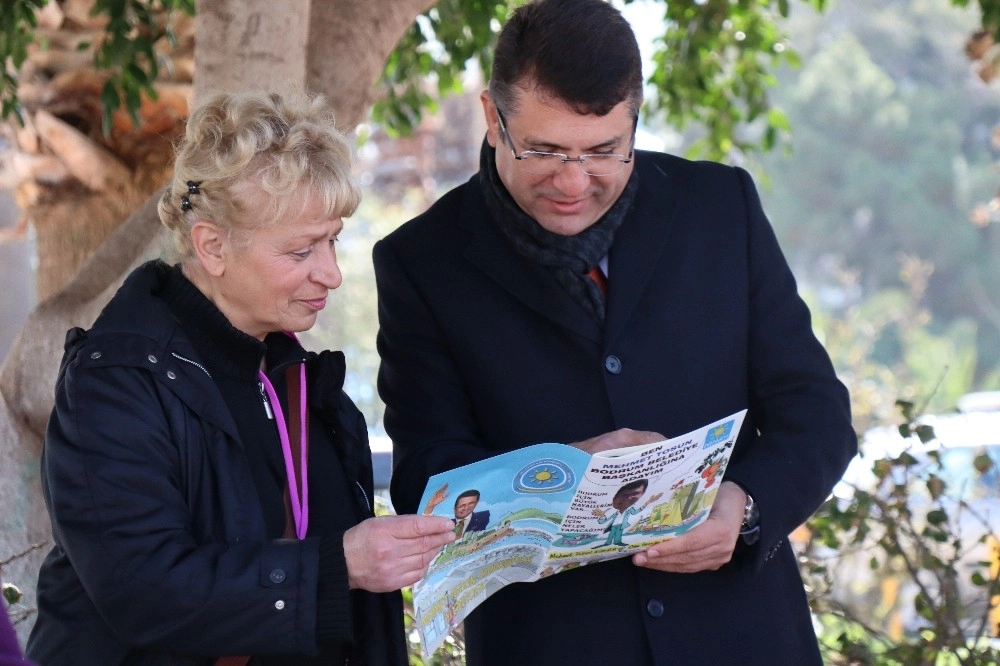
(547, 508)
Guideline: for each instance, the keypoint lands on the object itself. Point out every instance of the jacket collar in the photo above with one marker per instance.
(638, 244)
(157, 314)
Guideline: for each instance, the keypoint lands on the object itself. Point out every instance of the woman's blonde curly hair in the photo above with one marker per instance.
(245, 156)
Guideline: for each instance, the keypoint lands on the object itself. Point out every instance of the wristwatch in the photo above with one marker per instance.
(750, 529)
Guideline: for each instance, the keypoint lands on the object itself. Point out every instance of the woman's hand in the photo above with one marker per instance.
(390, 552)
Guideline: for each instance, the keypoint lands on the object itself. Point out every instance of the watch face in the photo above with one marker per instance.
(750, 531)
(751, 515)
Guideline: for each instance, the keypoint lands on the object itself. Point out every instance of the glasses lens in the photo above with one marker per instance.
(602, 165)
(548, 164)
(541, 163)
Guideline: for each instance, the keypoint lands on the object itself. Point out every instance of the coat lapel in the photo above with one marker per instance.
(640, 242)
(530, 283)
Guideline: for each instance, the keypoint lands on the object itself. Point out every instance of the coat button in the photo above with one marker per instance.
(171, 374)
(152, 359)
(654, 607)
(95, 355)
(279, 604)
(613, 365)
(277, 576)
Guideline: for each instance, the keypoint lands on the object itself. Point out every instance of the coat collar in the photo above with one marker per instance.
(634, 254)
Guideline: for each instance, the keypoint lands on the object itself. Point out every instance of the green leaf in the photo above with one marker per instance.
(11, 594)
(983, 463)
(935, 486)
(906, 409)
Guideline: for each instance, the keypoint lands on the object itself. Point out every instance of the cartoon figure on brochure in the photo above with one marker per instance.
(623, 504)
(466, 519)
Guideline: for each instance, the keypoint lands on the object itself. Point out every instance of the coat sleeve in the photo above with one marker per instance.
(801, 411)
(121, 494)
(428, 412)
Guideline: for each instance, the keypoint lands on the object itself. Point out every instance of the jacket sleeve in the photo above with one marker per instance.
(801, 411)
(120, 492)
(428, 412)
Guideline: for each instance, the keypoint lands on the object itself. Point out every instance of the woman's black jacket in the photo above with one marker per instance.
(161, 555)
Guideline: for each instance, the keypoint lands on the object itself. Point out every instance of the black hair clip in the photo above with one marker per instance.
(192, 189)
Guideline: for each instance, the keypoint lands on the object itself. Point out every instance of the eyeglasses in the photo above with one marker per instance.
(548, 164)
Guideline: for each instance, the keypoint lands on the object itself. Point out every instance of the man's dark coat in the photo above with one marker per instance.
(483, 351)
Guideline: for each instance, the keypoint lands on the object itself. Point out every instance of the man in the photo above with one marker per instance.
(493, 337)
(467, 519)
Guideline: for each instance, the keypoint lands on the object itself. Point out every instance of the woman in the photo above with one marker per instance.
(193, 517)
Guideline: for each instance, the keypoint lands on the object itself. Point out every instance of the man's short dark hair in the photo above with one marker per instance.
(467, 493)
(582, 52)
(638, 483)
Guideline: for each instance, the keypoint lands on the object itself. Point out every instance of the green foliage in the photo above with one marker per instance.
(439, 46)
(11, 594)
(16, 34)
(990, 12)
(450, 653)
(17, 611)
(712, 67)
(714, 64)
(917, 529)
(904, 546)
(715, 67)
(128, 53)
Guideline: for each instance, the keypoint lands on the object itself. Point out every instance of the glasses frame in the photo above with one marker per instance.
(524, 155)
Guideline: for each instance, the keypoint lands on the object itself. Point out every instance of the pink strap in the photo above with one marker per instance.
(298, 479)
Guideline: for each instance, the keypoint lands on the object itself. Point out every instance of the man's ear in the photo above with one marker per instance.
(210, 247)
(492, 126)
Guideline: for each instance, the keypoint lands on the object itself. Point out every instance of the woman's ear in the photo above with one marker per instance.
(210, 247)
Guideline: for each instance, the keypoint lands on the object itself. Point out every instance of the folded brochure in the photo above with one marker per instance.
(547, 508)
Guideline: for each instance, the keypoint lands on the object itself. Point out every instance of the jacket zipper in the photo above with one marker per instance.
(194, 363)
(267, 403)
(365, 495)
(263, 393)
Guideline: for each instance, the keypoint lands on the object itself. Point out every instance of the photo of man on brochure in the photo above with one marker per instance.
(466, 519)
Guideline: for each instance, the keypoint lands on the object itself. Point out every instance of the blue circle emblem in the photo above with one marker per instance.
(544, 476)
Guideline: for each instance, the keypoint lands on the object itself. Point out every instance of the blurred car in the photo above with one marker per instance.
(939, 500)
(381, 447)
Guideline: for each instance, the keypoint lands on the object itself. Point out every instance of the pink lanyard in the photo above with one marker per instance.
(299, 502)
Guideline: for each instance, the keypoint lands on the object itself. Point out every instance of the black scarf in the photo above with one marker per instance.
(568, 257)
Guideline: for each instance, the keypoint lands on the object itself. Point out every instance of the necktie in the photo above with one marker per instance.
(459, 528)
(597, 275)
